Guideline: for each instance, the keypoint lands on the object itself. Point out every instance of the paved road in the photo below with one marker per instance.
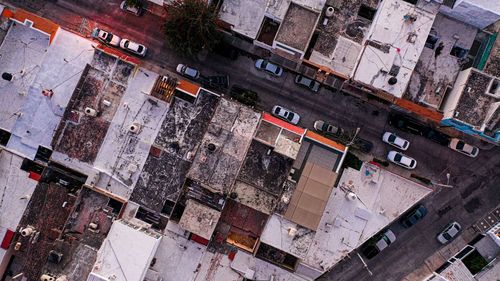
(474, 179)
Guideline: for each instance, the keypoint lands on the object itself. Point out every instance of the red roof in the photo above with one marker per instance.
(117, 53)
(326, 141)
(285, 125)
(39, 23)
(7, 239)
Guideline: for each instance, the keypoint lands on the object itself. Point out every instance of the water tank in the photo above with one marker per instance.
(27, 231)
(351, 196)
(7, 76)
(90, 112)
(393, 80)
(329, 11)
(46, 277)
(135, 128)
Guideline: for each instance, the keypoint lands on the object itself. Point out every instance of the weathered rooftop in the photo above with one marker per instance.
(437, 69)
(245, 17)
(224, 146)
(265, 169)
(199, 219)
(297, 27)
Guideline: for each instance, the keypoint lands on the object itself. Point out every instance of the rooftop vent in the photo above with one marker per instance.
(90, 112)
(211, 147)
(392, 81)
(329, 12)
(135, 128)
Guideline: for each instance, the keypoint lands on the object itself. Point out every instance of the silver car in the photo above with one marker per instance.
(449, 233)
(307, 83)
(187, 71)
(464, 148)
(401, 160)
(285, 114)
(269, 67)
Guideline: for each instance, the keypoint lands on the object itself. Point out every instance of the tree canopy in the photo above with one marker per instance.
(191, 26)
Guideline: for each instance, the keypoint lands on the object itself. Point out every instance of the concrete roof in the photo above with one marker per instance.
(297, 27)
(254, 197)
(123, 153)
(245, 16)
(390, 28)
(457, 271)
(127, 252)
(435, 72)
(346, 224)
(30, 116)
(199, 219)
(230, 130)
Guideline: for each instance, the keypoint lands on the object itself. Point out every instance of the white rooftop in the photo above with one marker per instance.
(126, 253)
(15, 192)
(31, 117)
(244, 16)
(403, 29)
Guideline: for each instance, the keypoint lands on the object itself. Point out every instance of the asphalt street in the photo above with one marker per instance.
(476, 181)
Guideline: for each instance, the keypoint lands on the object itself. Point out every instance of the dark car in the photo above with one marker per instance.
(245, 96)
(413, 216)
(215, 82)
(226, 50)
(378, 243)
(407, 124)
(363, 145)
(437, 137)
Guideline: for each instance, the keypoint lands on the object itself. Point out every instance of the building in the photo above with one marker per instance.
(478, 13)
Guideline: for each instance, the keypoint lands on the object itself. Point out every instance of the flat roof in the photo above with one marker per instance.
(396, 42)
(283, 138)
(199, 219)
(230, 132)
(381, 197)
(245, 17)
(475, 107)
(297, 27)
(127, 252)
(309, 200)
(255, 198)
(436, 71)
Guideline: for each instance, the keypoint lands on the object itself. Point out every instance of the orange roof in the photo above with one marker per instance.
(280, 123)
(39, 23)
(121, 55)
(188, 87)
(326, 141)
(420, 110)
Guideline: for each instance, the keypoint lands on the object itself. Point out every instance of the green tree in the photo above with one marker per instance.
(191, 26)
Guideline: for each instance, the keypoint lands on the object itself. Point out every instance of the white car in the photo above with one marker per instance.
(285, 114)
(133, 47)
(464, 148)
(269, 67)
(449, 232)
(395, 141)
(387, 239)
(136, 10)
(106, 37)
(187, 71)
(401, 160)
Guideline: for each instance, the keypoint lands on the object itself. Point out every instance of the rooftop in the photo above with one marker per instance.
(265, 169)
(475, 106)
(297, 27)
(92, 107)
(245, 17)
(436, 68)
(394, 44)
(199, 219)
(127, 252)
(230, 132)
(174, 148)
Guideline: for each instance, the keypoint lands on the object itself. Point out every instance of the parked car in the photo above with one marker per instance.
(215, 82)
(286, 114)
(414, 216)
(245, 96)
(437, 137)
(376, 245)
(322, 126)
(464, 148)
(407, 124)
(394, 140)
(307, 82)
(187, 71)
(106, 37)
(401, 160)
(363, 145)
(133, 47)
(449, 233)
(136, 10)
(269, 67)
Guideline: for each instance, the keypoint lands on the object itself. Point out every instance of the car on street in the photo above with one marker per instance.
(106, 37)
(133, 47)
(326, 128)
(449, 233)
(217, 82)
(286, 114)
(377, 244)
(269, 67)
(401, 159)
(406, 124)
(413, 216)
(463, 147)
(187, 71)
(308, 83)
(437, 137)
(363, 145)
(394, 140)
(136, 10)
